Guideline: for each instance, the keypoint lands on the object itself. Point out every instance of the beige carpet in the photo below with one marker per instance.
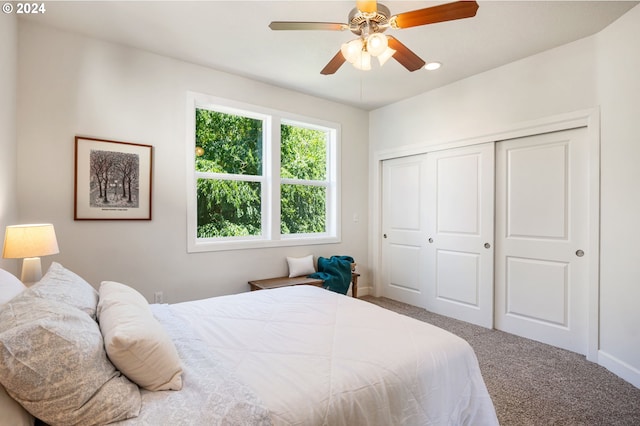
(536, 384)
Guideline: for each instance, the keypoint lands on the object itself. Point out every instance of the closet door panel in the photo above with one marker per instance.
(542, 238)
(459, 256)
(402, 239)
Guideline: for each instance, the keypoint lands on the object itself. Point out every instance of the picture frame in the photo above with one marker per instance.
(113, 180)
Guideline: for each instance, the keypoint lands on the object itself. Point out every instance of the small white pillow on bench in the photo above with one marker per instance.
(300, 266)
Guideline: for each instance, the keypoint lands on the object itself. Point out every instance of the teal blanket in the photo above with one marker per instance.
(336, 273)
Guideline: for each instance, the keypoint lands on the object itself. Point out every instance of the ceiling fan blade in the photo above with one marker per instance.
(367, 6)
(333, 65)
(404, 55)
(322, 26)
(432, 15)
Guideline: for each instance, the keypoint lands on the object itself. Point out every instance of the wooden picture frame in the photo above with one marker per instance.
(112, 180)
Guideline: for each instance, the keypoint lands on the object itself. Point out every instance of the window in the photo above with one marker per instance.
(229, 178)
(259, 178)
(303, 174)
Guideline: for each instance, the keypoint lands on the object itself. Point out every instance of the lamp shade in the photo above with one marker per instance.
(363, 62)
(352, 50)
(376, 44)
(35, 240)
(386, 55)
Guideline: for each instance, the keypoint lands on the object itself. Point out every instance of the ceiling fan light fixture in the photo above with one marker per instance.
(386, 55)
(352, 50)
(376, 44)
(363, 62)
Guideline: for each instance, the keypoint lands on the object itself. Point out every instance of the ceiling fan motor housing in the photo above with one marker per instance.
(378, 20)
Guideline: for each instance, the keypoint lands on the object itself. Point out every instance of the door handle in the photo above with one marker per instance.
(384, 235)
(430, 240)
(487, 245)
(579, 253)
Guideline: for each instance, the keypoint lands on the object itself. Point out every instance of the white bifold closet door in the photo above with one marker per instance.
(541, 263)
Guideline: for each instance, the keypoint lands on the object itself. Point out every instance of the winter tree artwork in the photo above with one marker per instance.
(113, 180)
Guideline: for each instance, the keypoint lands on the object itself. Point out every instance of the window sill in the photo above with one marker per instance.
(219, 245)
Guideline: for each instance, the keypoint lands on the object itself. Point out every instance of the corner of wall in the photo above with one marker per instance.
(618, 66)
(8, 96)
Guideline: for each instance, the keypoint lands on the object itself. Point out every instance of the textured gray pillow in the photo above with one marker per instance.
(65, 286)
(53, 362)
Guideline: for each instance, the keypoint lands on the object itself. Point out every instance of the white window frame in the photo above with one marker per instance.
(270, 179)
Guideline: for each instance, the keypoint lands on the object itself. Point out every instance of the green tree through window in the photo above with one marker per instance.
(231, 145)
(303, 169)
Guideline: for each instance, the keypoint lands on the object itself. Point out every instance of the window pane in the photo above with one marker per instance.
(228, 208)
(227, 143)
(303, 153)
(303, 209)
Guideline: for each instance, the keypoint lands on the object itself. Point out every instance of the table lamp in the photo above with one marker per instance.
(28, 242)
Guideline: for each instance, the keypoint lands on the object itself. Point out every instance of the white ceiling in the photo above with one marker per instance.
(234, 36)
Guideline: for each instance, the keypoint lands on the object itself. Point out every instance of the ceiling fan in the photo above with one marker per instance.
(369, 19)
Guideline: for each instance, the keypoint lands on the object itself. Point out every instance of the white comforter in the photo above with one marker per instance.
(314, 357)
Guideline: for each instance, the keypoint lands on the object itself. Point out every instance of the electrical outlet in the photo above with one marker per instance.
(158, 297)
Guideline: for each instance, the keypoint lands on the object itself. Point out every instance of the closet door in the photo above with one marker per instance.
(541, 238)
(403, 228)
(460, 232)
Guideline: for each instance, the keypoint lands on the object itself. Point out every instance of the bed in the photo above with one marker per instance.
(290, 356)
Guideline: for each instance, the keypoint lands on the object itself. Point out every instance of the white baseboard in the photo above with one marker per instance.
(619, 368)
(365, 291)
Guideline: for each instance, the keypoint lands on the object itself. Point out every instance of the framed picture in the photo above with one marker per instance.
(112, 180)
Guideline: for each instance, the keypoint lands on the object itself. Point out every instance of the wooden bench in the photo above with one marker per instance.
(283, 282)
(287, 281)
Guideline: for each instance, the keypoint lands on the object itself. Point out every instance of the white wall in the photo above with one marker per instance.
(618, 72)
(72, 85)
(8, 75)
(553, 82)
(599, 71)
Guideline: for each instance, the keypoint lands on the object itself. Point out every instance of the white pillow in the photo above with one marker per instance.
(10, 286)
(135, 341)
(300, 266)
